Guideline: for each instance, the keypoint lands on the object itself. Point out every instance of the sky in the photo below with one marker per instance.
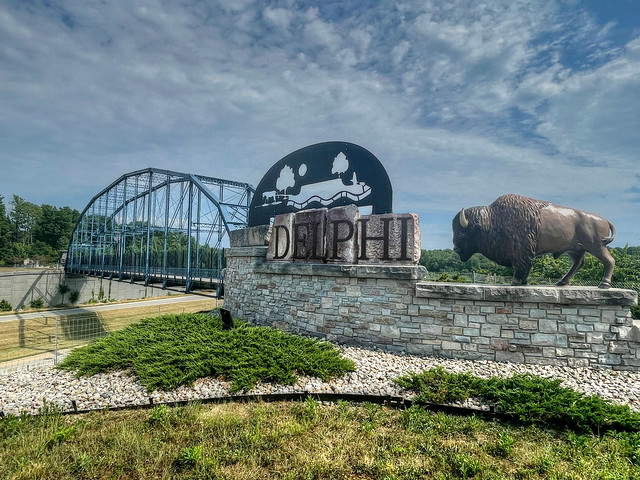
(461, 101)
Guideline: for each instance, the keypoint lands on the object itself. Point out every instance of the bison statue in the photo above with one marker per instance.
(515, 229)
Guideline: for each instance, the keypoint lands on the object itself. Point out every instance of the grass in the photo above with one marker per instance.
(27, 337)
(302, 440)
(172, 350)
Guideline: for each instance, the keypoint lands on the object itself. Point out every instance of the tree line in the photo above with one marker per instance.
(37, 232)
(627, 265)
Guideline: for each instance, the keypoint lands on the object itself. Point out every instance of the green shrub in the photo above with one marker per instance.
(635, 311)
(74, 296)
(173, 350)
(5, 306)
(530, 399)
(63, 288)
(38, 303)
(439, 386)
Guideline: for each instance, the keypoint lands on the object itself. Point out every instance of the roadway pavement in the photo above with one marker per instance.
(107, 307)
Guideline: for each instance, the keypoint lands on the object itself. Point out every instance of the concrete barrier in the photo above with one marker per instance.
(21, 288)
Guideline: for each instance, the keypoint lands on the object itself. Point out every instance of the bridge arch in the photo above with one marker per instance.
(159, 226)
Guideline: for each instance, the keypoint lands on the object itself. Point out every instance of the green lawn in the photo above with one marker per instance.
(301, 440)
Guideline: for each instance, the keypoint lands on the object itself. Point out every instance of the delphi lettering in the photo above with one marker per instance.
(341, 235)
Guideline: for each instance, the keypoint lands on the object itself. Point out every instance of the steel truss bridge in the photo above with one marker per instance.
(159, 226)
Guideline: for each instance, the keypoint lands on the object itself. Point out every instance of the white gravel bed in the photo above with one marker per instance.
(27, 390)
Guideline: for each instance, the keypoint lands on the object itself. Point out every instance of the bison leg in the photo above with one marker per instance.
(520, 273)
(602, 254)
(577, 259)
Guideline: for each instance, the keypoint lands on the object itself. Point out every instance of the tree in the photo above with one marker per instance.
(63, 288)
(55, 226)
(24, 216)
(448, 261)
(16, 252)
(5, 233)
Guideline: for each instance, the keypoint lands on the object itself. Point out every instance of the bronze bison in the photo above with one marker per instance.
(515, 229)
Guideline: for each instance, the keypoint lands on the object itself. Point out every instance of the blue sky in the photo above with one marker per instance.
(461, 101)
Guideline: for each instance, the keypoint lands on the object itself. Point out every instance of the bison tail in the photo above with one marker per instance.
(609, 239)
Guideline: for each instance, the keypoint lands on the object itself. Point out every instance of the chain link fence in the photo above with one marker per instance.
(472, 277)
(46, 339)
(30, 340)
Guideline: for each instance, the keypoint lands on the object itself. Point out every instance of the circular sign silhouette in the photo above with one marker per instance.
(329, 174)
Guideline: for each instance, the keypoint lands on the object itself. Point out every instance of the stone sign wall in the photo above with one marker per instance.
(387, 305)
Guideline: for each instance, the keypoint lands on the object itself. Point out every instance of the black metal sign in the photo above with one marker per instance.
(329, 174)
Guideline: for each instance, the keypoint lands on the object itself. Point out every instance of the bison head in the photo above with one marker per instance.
(463, 243)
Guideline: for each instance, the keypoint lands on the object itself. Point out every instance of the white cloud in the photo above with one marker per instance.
(587, 114)
(278, 17)
(323, 34)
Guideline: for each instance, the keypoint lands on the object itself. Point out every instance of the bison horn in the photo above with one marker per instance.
(464, 223)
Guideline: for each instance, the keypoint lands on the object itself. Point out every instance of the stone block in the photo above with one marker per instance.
(390, 331)
(550, 340)
(528, 324)
(528, 349)
(577, 362)
(608, 315)
(419, 349)
(460, 320)
(547, 326)
(250, 236)
(515, 357)
(389, 238)
(308, 235)
(342, 245)
(500, 318)
(280, 247)
(584, 328)
(597, 338)
(461, 338)
(564, 352)
(619, 347)
(609, 359)
(490, 330)
(507, 333)
(431, 329)
(537, 313)
(501, 344)
(629, 334)
(452, 330)
(451, 345)
(567, 328)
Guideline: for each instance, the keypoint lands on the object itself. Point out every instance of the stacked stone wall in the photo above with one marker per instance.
(389, 307)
